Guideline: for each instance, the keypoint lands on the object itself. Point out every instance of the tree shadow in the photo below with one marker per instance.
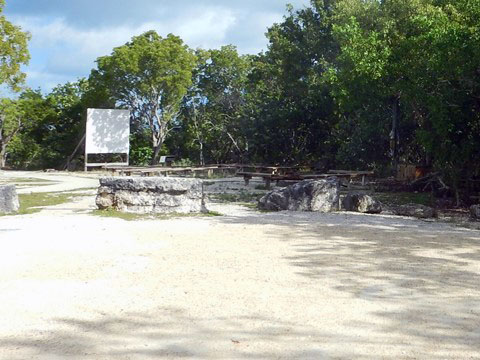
(415, 283)
(171, 333)
(426, 274)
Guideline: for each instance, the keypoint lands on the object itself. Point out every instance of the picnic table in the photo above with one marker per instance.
(271, 170)
(162, 170)
(273, 175)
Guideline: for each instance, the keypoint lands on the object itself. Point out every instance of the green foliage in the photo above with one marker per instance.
(51, 126)
(404, 198)
(213, 111)
(17, 118)
(141, 155)
(13, 52)
(183, 163)
(289, 100)
(423, 54)
(344, 83)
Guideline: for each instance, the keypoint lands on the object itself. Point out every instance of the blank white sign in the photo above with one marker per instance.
(107, 131)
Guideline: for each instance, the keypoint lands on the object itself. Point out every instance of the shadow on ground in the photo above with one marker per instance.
(428, 272)
(423, 279)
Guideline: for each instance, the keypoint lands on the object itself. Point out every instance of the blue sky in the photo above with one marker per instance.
(68, 35)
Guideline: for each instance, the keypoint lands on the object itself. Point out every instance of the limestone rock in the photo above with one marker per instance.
(151, 195)
(361, 203)
(307, 195)
(415, 210)
(8, 199)
(475, 212)
(105, 198)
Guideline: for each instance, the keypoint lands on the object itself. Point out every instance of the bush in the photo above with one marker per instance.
(141, 155)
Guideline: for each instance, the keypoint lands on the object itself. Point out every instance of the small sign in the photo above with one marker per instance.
(163, 159)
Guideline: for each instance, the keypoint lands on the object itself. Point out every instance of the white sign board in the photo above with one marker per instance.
(107, 131)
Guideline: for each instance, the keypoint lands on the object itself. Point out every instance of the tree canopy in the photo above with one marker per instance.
(13, 52)
(149, 75)
(357, 84)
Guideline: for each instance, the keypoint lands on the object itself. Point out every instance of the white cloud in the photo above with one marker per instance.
(66, 50)
(63, 47)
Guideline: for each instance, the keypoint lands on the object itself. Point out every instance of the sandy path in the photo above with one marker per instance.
(247, 285)
(57, 182)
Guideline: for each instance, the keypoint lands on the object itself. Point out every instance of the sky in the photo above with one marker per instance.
(68, 35)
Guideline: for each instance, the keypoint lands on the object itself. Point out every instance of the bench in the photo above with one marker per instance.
(351, 174)
(267, 177)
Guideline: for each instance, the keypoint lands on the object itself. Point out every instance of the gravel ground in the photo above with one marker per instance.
(246, 285)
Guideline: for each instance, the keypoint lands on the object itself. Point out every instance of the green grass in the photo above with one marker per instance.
(242, 196)
(32, 203)
(403, 198)
(29, 180)
(132, 217)
(254, 206)
(261, 187)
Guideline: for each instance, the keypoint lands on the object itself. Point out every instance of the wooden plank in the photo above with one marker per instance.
(253, 174)
(351, 172)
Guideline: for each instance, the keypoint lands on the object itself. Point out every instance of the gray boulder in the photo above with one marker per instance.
(8, 199)
(415, 210)
(151, 195)
(475, 212)
(307, 195)
(361, 203)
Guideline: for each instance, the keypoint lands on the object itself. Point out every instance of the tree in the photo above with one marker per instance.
(62, 126)
(149, 75)
(10, 124)
(13, 52)
(16, 117)
(213, 108)
(417, 60)
(289, 102)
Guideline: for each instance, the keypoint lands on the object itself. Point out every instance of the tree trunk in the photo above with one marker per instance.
(202, 159)
(3, 156)
(156, 153)
(394, 135)
(158, 139)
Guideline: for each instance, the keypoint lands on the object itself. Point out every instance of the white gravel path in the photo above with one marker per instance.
(247, 285)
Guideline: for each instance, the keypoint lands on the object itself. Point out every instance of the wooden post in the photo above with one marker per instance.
(267, 183)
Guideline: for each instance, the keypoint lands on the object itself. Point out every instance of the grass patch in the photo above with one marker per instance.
(261, 187)
(28, 180)
(22, 182)
(403, 198)
(254, 206)
(249, 205)
(110, 213)
(32, 203)
(242, 196)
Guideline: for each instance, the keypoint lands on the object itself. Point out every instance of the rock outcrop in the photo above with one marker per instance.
(8, 199)
(307, 195)
(415, 210)
(151, 195)
(475, 212)
(361, 203)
